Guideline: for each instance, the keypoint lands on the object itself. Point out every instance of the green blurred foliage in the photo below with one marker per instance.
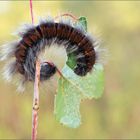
(116, 114)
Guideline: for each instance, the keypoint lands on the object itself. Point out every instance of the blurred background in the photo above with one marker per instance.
(117, 113)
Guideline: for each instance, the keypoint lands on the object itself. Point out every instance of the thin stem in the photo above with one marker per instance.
(31, 11)
(59, 72)
(67, 15)
(35, 101)
(36, 90)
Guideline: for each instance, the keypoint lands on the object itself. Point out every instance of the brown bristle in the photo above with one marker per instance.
(73, 35)
(28, 41)
(19, 67)
(43, 30)
(78, 37)
(61, 33)
(50, 27)
(48, 30)
(39, 31)
(67, 31)
(83, 42)
(20, 54)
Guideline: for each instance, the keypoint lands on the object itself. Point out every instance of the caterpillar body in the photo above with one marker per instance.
(36, 38)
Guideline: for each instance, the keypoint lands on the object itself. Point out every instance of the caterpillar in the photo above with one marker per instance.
(48, 32)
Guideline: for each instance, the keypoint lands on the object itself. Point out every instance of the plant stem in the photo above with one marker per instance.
(67, 15)
(35, 101)
(59, 72)
(31, 11)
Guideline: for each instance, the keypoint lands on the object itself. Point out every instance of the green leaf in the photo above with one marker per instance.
(73, 88)
(67, 104)
(71, 62)
(91, 85)
(83, 22)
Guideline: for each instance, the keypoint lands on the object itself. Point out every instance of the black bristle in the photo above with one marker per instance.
(47, 71)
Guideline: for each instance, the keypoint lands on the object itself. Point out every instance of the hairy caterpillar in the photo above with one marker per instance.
(36, 38)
